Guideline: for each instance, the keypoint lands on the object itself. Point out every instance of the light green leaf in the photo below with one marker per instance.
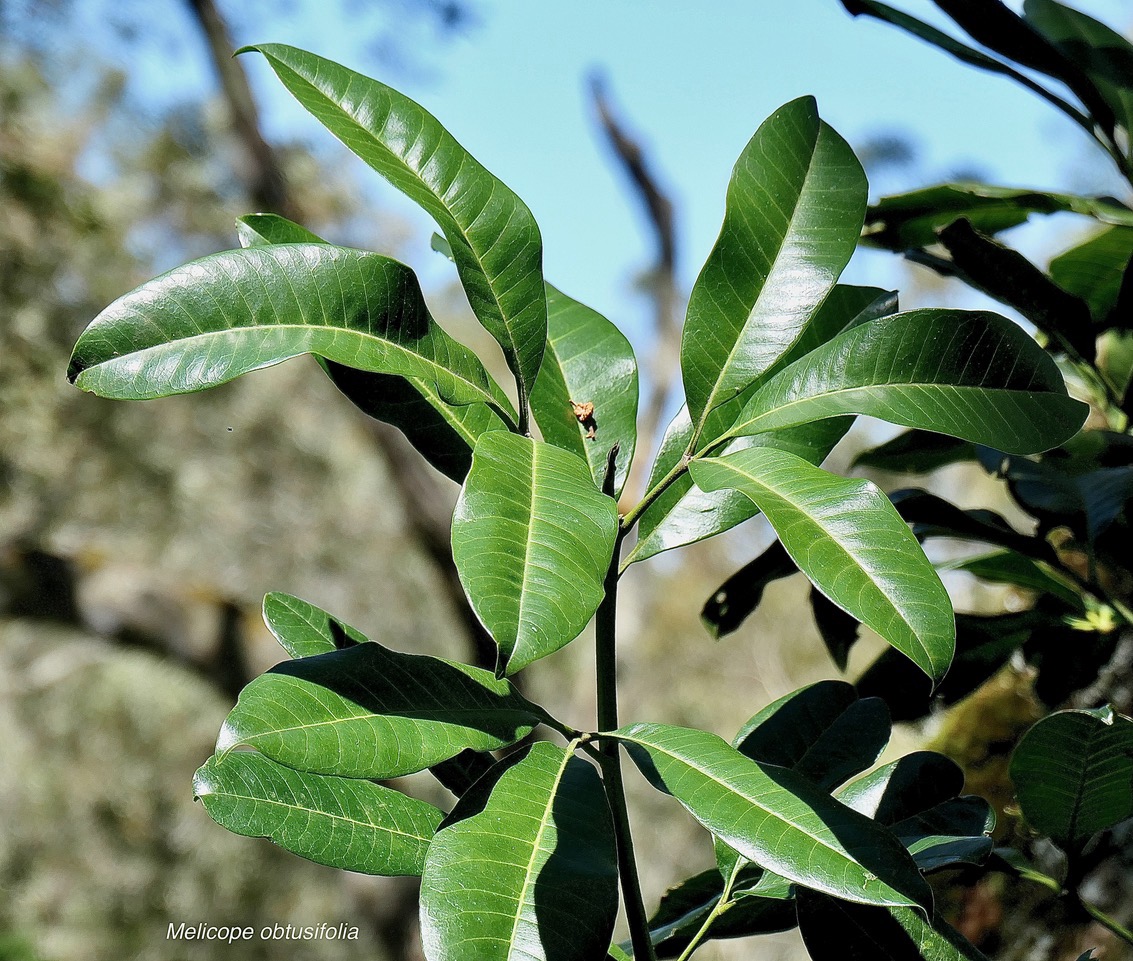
(588, 361)
(348, 824)
(259, 229)
(525, 866)
(775, 818)
(851, 543)
(1093, 271)
(214, 319)
(971, 374)
(304, 630)
(369, 712)
(532, 539)
(836, 931)
(495, 240)
(1073, 774)
(794, 210)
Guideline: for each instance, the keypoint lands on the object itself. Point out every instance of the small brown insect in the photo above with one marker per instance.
(585, 414)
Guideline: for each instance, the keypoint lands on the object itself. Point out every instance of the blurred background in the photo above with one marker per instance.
(137, 540)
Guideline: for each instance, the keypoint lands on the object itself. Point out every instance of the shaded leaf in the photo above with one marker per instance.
(850, 542)
(304, 630)
(532, 539)
(524, 866)
(904, 788)
(839, 630)
(1073, 774)
(916, 452)
(495, 240)
(775, 818)
(1095, 271)
(459, 773)
(834, 930)
(370, 712)
(588, 361)
(349, 824)
(793, 214)
(214, 319)
(971, 374)
(956, 831)
(256, 229)
(933, 516)
(732, 602)
(1008, 567)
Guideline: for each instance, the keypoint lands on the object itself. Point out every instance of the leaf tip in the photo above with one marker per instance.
(228, 739)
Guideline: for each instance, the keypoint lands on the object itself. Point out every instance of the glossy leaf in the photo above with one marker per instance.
(971, 374)
(370, 712)
(1073, 774)
(532, 539)
(904, 788)
(794, 210)
(775, 818)
(956, 831)
(304, 630)
(214, 319)
(1095, 270)
(349, 824)
(588, 361)
(685, 514)
(850, 542)
(732, 602)
(495, 240)
(911, 220)
(916, 452)
(525, 866)
(834, 930)
(258, 229)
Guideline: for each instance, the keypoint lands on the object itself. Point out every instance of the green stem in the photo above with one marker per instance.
(721, 906)
(605, 630)
(1106, 921)
(634, 515)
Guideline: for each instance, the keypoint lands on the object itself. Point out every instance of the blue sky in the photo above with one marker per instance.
(693, 82)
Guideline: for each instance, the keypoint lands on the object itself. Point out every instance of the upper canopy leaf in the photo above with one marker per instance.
(525, 866)
(214, 319)
(369, 712)
(532, 539)
(349, 824)
(585, 399)
(494, 238)
(848, 539)
(971, 374)
(777, 819)
(304, 630)
(794, 210)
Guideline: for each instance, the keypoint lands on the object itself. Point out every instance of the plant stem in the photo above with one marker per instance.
(721, 906)
(1105, 920)
(605, 630)
(634, 515)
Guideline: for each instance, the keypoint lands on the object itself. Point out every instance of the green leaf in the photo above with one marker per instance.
(494, 238)
(834, 930)
(904, 788)
(685, 514)
(839, 631)
(794, 210)
(370, 712)
(214, 319)
(1094, 271)
(1009, 567)
(956, 831)
(971, 374)
(916, 452)
(850, 542)
(1073, 774)
(532, 539)
(525, 866)
(348, 824)
(732, 602)
(304, 630)
(258, 229)
(588, 361)
(775, 818)
(933, 516)
(1104, 55)
(911, 220)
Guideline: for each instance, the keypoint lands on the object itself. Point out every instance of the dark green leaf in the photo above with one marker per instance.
(256, 229)
(793, 214)
(916, 452)
(370, 712)
(304, 630)
(495, 240)
(833, 930)
(956, 831)
(214, 319)
(588, 361)
(971, 374)
(348, 824)
(911, 220)
(1008, 567)
(932, 516)
(532, 539)
(459, 773)
(839, 630)
(1094, 271)
(775, 818)
(848, 539)
(525, 866)
(1073, 774)
(732, 602)
(904, 788)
